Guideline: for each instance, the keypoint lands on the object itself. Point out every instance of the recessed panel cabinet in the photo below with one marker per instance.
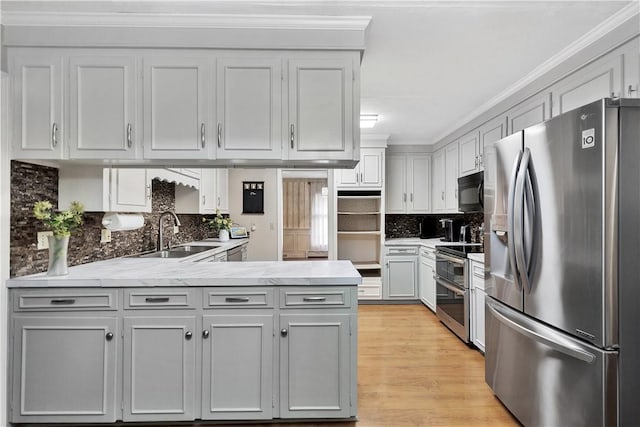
(408, 183)
(368, 173)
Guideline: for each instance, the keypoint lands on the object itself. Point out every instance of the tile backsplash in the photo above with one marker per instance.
(402, 226)
(30, 183)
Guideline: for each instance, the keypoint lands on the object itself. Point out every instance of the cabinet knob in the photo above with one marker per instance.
(109, 336)
(283, 332)
(188, 335)
(205, 333)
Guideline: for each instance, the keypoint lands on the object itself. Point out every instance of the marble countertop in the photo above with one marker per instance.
(189, 271)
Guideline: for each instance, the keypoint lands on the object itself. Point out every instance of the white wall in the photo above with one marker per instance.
(263, 245)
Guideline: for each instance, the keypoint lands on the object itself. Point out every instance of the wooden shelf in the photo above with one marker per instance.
(359, 213)
(370, 265)
(360, 232)
(359, 197)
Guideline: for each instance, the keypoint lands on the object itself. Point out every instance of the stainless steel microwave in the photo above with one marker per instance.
(471, 193)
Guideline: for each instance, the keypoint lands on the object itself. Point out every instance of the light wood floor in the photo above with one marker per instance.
(412, 371)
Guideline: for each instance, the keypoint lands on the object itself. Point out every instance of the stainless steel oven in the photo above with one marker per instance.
(452, 289)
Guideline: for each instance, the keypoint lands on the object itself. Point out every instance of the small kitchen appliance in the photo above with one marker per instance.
(451, 229)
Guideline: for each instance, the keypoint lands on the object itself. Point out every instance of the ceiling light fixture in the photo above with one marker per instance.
(367, 121)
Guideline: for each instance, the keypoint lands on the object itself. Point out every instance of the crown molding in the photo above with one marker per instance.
(619, 28)
(185, 20)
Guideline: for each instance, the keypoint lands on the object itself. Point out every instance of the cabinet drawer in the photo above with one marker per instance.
(145, 299)
(250, 298)
(65, 300)
(398, 250)
(477, 270)
(369, 292)
(428, 253)
(320, 298)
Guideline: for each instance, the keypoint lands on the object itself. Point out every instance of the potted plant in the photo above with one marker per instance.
(220, 224)
(61, 224)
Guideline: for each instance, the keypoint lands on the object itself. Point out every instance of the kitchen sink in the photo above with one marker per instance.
(179, 251)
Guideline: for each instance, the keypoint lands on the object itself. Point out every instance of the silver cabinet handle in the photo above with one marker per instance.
(283, 332)
(456, 193)
(204, 200)
(411, 197)
(236, 299)
(129, 142)
(314, 299)
(202, 134)
(109, 336)
(361, 177)
(188, 335)
(476, 161)
(219, 135)
(155, 300)
(148, 191)
(60, 301)
(205, 333)
(218, 201)
(292, 134)
(404, 197)
(442, 195)
(630, 90)
(54, 134)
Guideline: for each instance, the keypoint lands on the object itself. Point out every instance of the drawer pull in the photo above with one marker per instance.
(69, 301)
(156, 300)
(314, 299)
(236, 299)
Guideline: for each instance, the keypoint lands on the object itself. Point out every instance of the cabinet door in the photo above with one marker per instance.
(315, 383)
(418, 184)
(437, 194)
(38, 127)
(601, 79)
(208, 194)
(130, 190)
(249, 100)
(451, 178)
(535, 110)
(400, 278)
(159, 368)
(320, 109)
(396, 193)
(64, 369)
(237, 367)
(469, 153)
(102, 107)
(371, 170)
(491, 132)
(427, 285)
(222, 190)
(478, 298)
(348, 177)
(176, 94)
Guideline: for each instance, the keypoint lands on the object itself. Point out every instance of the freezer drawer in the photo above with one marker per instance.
(545, 377)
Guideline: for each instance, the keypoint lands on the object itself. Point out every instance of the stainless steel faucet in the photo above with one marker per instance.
(175, 220)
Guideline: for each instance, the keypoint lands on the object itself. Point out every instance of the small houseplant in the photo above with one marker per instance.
(220, 224)
(61, 224)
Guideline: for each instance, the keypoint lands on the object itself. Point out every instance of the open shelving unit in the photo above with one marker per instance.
(360, 236)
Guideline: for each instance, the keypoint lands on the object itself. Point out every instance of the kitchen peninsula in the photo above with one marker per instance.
(142, 339)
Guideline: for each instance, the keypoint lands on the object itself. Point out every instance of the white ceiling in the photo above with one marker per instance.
(427, 64)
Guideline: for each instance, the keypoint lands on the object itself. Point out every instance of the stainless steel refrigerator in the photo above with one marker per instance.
(562, 255)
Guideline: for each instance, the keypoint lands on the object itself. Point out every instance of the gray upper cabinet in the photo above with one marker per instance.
(102, 107)
(530, 112)
(37, 103)
(52, 383)
(438, 179)
(249, 107)
(408, 183)
(451, 177)
(368, 173)
(176, 107)
(315, 382)
(321, 108)
(469, 146)
(159, 367)
(237, 354)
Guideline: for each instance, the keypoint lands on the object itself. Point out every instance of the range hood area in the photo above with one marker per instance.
(193, 93)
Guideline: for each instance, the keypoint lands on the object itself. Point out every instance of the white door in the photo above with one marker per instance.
(320, 109)
(176, 94)
(348, 177)
(371, 172)
(102, 107)
(38, 127)
(396, 194)
(222, 190)
(437, 195)
(418, 183)
(130, 190)
(208, 193)
(451, 178)
(400, 278)
(469, 153)
(249, 100)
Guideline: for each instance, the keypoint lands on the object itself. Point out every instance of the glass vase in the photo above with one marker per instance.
(223, 235)
(58, 256)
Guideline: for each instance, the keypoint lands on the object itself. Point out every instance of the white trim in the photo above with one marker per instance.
(372, 140)
(624, 17)
(185, 20)
(5, 190)
(280, 212)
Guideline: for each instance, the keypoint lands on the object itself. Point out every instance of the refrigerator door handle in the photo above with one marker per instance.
(518, 220)
(530, 205)
(510, 221)
(548, 338)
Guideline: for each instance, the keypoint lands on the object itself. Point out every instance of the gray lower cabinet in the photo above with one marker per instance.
(400, 281)
(52, 383)
(315, 365)
(159, 376)
(237, 373)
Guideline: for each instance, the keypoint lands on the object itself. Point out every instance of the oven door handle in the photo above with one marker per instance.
(454, 289)
(454, 260)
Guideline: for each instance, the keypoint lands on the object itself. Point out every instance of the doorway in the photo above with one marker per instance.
(305, 215)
